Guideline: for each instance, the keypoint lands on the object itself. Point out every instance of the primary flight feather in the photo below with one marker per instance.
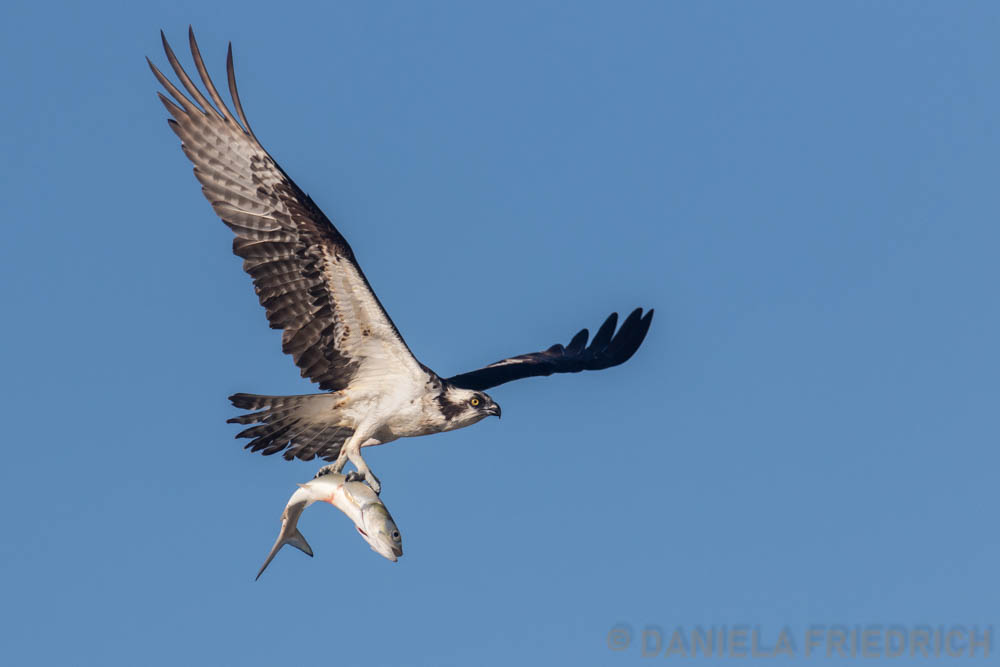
(313, 289)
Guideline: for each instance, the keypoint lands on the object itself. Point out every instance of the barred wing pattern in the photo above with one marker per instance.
(606, 350)
(304, 271)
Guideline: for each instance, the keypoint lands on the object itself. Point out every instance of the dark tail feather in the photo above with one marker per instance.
(257, 401)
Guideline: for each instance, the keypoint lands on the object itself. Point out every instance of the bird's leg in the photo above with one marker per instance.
(353, 449)
(365, 473)
(337, 466)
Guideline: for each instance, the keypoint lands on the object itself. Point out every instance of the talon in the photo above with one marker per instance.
(353, 476)
(325, 470)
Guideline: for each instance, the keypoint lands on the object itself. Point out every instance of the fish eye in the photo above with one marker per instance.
(474, 401)
(395, 534)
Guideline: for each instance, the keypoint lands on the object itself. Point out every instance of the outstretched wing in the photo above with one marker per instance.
(606, 350)
(303, 270)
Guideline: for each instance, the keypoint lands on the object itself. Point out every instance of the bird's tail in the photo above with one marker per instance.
(304, 426)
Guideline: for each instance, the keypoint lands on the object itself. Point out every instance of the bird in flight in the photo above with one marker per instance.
(312, 287)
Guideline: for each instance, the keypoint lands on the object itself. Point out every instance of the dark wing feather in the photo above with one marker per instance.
(304, 271)
(606, 350)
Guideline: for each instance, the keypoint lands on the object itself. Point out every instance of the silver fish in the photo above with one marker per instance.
(355, 499)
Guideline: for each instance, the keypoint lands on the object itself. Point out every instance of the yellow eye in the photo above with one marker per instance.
(474, 401)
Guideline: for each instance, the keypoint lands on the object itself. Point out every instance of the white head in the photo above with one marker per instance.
(464, 407)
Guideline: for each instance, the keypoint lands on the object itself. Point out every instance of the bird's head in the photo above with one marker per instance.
(464, 407)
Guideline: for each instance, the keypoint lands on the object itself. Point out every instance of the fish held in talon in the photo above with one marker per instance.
(355, 499)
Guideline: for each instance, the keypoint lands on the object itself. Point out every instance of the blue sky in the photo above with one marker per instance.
(805, 192)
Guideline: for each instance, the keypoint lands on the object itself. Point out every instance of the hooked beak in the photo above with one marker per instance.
(494, 410)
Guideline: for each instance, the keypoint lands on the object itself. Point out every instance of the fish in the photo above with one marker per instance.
(355, 499)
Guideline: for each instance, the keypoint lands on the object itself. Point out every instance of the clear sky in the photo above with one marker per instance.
(806, 193)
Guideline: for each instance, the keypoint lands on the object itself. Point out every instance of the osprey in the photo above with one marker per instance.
(312, 287)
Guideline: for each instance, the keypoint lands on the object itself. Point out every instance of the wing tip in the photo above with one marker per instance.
(630, 336)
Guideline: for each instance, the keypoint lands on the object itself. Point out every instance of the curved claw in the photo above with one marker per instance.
(326, 470)
(372, 480)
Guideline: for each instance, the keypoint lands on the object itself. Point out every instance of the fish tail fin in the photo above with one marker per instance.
(298, 541)
(293, 537)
